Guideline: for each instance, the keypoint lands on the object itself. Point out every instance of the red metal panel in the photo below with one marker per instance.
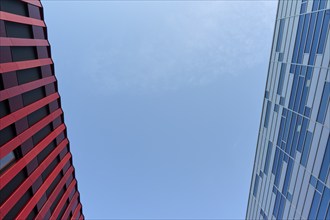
(37, 196)
(69, 208)
(14, 198)
(16, 90)
(76, 212)
(54, 194)
(14, 66)
(33, 2)
(19, 139)
(11, 172)
(21, 19)
(6, 41)
(17, 115)
(62, 201)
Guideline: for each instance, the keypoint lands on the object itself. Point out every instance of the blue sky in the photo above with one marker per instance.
(162, 102)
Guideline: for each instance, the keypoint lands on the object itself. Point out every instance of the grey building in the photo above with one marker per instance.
(290, 178)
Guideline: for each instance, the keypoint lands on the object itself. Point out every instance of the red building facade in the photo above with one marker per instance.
(37, 178)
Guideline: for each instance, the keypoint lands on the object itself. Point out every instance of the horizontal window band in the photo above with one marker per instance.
(46, 207)
(76, 211)
(69, 208)
(33, 2)
(64, 198)
(20, 89)
(28, 133)
(12, 41)
(23, 112)
(42, 189)
(21, 19)
(14, 198)
(26, 64)
(9, 174)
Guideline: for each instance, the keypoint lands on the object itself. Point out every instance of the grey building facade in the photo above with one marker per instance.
(290, 178)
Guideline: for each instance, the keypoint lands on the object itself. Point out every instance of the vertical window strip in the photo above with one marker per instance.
(324, 103)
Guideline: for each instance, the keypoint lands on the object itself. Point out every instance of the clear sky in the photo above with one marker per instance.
(162, 102)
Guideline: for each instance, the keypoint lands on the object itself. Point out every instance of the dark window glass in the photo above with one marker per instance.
(7, 134)
(299, 93)
(28, 75)
(23, 53)
(281, 131)
(33, 95)
(277, 152)
(324, 103)
(45, 152)
(49, 169)
(268, 154)
(42, 133)
(4, 108)
(279, 169)
(281, 79)
(14, 6)
(18, 30)
(280, 35)
(280, 57)
(314, 206)
(256, 183)
(5, 54)
(302, 134)
(325, 163)
(297, 41)
(266, 94)
(269, 104)
(36, 116)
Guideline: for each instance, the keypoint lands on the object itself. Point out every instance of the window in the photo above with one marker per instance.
(5, 161)
(28, 75)
(18, 30)
(14, 6)
(23, 53)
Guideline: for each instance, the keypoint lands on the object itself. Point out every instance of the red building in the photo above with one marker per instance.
(37, 178)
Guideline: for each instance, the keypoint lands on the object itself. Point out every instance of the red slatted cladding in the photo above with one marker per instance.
(37, 177)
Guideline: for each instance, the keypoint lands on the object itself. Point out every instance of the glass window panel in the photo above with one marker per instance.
(324, 103)
(6, 160)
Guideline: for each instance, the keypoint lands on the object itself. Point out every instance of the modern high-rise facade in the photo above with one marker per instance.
(290, 178)
(37, 179)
